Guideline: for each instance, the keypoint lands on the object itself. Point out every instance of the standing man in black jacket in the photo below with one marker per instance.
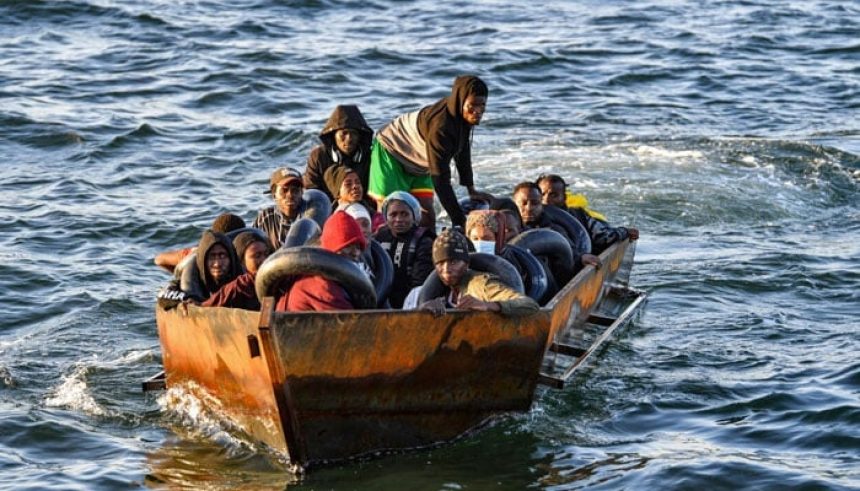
(413, 152)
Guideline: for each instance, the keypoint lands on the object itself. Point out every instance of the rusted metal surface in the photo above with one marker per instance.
(334, 385)
(368, 381)
(207, 349)
(572, 305)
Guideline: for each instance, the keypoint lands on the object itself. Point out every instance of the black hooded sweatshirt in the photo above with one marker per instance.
(207, 241)
(448, 136)
(172, 295)
(328, 155)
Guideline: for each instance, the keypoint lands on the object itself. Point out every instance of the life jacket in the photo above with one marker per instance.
(386, 239)
(580, 201)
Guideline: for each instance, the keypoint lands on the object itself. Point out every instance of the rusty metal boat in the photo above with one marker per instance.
(322, 387)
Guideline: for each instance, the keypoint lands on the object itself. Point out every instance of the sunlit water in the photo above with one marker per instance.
(727, 132)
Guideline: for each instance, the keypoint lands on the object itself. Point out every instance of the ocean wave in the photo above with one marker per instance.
(74, 394)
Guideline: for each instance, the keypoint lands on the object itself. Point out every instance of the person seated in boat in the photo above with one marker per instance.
(251, 251)
(554, 193)
(409, 246)
(286, 188)
(340, 235)
(344, 183)
(469, 289)
(486, 232)
(413, 152)
(513, 225)
(345, 141)
(224, 223)
(361, 214)
(527, 197)
(217, 265)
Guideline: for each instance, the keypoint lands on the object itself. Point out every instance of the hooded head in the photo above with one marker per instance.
(346, 117)
(394, 212)
(405, 197)
(465, 86)
(485, 230)
(341, 231)
(334, 180)
(361, 214)
(256, 247)
(219, 266)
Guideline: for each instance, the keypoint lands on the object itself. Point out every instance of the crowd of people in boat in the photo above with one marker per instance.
(362, 193)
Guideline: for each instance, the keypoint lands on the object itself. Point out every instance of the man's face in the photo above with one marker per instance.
(217, 262)
(450, 271)
(528, 202)
(352, 251)
(473, 109)
(351, 189)
(255, 254)
(552, 193)
(346, 140)
(288, 197)
(399, 217)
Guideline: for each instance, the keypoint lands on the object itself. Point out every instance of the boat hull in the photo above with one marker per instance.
(322, 387)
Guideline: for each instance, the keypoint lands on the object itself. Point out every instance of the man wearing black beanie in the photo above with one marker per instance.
(468, 289)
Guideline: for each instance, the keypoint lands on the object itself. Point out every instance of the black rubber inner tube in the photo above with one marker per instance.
(490, 263)
(574, 229)
(317, 206)
(478, 261)
(189, 278)
(535, 278)
(301, 232)
(383, 271)
(543, 242)
(282, 268)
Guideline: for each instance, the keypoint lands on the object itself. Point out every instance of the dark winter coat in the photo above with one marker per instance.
(327, 155)
(410, 270)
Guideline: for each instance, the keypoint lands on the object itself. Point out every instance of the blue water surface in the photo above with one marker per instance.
(727, 131)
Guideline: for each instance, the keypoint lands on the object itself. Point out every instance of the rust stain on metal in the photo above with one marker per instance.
(338, 385)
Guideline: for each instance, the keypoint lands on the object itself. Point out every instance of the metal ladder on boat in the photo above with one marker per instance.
(573, 348)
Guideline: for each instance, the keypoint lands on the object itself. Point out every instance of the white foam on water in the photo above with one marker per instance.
(679, 157)
(74, 394)
(201, 413)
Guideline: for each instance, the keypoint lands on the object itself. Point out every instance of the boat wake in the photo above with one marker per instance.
(197, 414)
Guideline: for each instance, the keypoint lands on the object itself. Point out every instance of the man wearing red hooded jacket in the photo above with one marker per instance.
(340, 235)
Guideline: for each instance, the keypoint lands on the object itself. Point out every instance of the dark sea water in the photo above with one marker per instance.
(727, 131)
